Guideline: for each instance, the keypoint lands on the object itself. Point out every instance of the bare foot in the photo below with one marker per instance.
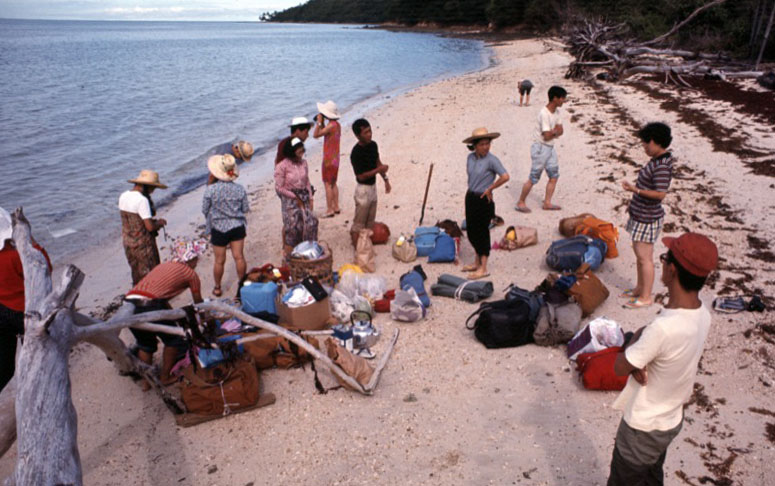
(522, 208)
(551, 207)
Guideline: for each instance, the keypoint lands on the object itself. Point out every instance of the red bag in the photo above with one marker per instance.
(597, 370)
(383, 304)
(380, 233)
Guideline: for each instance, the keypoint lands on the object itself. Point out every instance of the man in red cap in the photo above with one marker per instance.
(662, 361)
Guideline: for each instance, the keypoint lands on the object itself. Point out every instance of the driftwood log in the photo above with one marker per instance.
(603, 46)
(38, 399)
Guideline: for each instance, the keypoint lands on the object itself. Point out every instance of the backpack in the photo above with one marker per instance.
(414, 279)
(502, 324)
(602, 230)
(588, 291)
(443, 250)
(597, 370)
(557, 323)
(568, 254)
(534, 299)
(222, 389)
(568, 226)
(425, 239)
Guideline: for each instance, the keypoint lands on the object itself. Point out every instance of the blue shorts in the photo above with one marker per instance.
(543, 157)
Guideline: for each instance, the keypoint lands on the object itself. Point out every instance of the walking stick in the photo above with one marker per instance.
(425, 199)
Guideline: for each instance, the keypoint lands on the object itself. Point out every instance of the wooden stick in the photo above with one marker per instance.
(382, 362)
(425, 198)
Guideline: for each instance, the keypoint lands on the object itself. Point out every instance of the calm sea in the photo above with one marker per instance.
(85, 105)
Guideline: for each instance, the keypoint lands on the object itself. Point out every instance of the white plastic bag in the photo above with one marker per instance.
(341, 306)
(373, 287)
(361, 303)
(348, 283)
(598, 334)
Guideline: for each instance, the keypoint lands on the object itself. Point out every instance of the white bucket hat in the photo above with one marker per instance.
(300, 120)
(6, 227)
(329, 110)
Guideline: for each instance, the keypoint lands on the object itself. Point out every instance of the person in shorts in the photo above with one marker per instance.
(542, 154)
(646, 211)
(224, 205)
(366, 165)
(525, 87)
(661, 359)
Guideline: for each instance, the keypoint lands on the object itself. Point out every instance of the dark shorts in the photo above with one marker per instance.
(523, 91)
(218, 238)
(147, 340)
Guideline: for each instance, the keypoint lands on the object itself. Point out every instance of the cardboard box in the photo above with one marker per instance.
(308, 318)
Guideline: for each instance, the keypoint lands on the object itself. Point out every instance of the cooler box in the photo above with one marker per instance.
(257, 297)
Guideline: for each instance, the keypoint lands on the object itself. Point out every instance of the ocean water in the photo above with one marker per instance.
(85, 105)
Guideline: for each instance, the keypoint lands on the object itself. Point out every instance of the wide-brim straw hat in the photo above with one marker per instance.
(481, 133)
(223, 167)
(6, 227)
(148, 178)
(329, 110)
(245, 149)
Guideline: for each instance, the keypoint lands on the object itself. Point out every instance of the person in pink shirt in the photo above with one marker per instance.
(291, 178)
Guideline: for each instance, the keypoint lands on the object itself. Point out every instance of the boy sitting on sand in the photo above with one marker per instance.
(366, 165)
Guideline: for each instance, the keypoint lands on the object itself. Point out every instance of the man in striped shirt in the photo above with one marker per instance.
(166, 281)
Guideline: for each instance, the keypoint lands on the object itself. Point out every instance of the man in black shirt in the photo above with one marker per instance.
(366, 165)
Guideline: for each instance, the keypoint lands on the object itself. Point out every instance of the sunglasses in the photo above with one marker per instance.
(666, 257)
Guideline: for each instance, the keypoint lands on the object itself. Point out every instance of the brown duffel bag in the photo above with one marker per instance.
(568, 225)
(277, 351)
(588, 291)
(222, 389)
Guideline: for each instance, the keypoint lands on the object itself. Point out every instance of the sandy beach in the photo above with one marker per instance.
(448, 411)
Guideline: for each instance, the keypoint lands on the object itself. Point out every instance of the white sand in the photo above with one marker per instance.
(511, 416)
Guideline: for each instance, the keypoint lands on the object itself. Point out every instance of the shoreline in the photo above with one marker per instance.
(449, 411)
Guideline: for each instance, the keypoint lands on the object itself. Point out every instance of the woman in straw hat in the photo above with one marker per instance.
(482, 168)
(224, 205)
(291, 178)
(331, 132)
(139, 228)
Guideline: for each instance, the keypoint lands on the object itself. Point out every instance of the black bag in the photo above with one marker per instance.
(534, 299)
(568, 254)
(312, 284)
(503, 324)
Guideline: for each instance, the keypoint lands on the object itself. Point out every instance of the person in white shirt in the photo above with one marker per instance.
(662, 360)
(542, 154)
(138, 225)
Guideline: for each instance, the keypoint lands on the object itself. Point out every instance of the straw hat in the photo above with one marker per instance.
(6, 227)
(481, 133)
(245, 149)
(223, 167)
(184, 250)
(300, 120)
(329, 110)
(148, 178)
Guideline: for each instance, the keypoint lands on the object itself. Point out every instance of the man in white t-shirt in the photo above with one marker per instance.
(542, 154)
(661, 360)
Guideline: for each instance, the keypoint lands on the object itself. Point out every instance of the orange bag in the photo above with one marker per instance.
(602, 230)
(568, 225)
(381, 233)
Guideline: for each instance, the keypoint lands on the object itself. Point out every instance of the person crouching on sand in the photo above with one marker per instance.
(331, 133)
(139, 227)
(646, 211)
(153, 293)
(291, 180)
(482, 168)
(224, 205)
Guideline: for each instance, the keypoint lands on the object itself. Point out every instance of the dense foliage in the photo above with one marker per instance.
(735, 25)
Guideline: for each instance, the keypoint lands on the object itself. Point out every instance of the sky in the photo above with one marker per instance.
(239, 10)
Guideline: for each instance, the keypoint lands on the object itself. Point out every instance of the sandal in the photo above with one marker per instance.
(551, 207)
(478, 275)
(470, 268)
(629, 293)
(523, 209)
(637, 304)
(217, 291)
(329, 215)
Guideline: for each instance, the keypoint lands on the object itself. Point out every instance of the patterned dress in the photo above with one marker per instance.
(331, 153)
(139, 246)
(291, 182)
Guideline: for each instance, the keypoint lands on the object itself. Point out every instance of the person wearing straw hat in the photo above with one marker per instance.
(153, 293)
(291, 179)
(139, 227)
(299, 126)
(224, 205)
(11, 297)
(482, 168)
(332, 133)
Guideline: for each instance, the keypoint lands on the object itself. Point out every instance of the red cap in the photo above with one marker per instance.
(694, 252)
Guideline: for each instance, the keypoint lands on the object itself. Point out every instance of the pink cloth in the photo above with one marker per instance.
(289, 176)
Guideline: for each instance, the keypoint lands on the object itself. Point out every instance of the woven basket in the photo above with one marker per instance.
(322, 268)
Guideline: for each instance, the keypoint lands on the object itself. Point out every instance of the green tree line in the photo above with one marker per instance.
(736, 26)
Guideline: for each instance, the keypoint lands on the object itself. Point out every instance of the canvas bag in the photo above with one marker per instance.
(568, 225)
(354, 366)
(534, 299)
(220, 390)
(277, 351)
(444, 250)
(557, 324)
(406, 306)
(502, 324)
(523, 236)
(588, 291)
(568, 254)
(597, 370)
(602, 230)
(365, 257)
(450, 227)
(425, 239)
(407, 251)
